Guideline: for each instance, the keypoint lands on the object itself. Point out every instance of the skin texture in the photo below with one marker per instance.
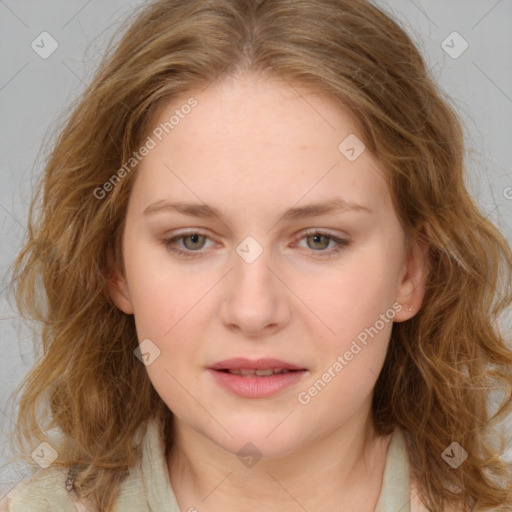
(253, 148)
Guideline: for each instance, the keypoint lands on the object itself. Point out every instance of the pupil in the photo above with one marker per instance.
(193, 238)
(316, 237)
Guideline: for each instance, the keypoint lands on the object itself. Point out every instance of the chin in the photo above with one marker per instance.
(253, 448)
(262, 440)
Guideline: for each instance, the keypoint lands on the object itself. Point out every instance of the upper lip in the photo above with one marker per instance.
(241, 363)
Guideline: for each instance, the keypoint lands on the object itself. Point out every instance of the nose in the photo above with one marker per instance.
(254, 298)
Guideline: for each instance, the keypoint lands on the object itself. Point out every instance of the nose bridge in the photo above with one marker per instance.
(252, 266)
(252, 298)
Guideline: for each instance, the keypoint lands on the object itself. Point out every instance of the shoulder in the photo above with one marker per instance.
(44, 491)
(416, 503)
(418, 506)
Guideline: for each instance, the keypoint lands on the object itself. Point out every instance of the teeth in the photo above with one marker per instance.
(259, 373)
(264, 373)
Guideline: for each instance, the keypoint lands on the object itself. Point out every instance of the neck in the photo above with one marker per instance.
(340, 471)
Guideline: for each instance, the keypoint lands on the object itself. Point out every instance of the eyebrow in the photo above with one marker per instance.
(332, 206)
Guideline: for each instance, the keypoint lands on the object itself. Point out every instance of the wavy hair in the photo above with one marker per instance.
(442, 365)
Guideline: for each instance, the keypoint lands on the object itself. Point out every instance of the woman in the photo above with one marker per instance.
(332, 341)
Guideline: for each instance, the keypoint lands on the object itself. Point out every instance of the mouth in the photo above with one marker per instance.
(246, 372)
(242, 364)
(260, 378)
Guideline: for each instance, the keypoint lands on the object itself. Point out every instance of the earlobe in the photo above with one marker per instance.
(412, 287)
(117, 290)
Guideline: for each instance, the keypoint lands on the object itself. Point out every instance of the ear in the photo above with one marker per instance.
(412, 280)
(116, 289)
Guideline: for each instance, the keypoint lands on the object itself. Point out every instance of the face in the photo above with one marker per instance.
(252, 270)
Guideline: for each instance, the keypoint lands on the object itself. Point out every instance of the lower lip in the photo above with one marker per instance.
(257, 387)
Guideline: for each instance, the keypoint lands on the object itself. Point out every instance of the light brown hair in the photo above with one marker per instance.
(441, 365)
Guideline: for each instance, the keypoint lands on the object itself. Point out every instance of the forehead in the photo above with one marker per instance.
(249, 140)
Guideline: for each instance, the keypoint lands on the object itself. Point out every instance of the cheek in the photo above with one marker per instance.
(351, 297)
(162, 296)
(168, 310)
(352, 324)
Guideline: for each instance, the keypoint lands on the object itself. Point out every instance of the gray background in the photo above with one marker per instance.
(34, 92)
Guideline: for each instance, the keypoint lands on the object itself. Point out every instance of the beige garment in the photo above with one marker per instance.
(147, 488)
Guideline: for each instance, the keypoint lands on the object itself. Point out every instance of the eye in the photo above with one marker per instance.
(194, 241)
(321, 240)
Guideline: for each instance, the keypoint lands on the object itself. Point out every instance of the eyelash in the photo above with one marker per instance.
(342, 244)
